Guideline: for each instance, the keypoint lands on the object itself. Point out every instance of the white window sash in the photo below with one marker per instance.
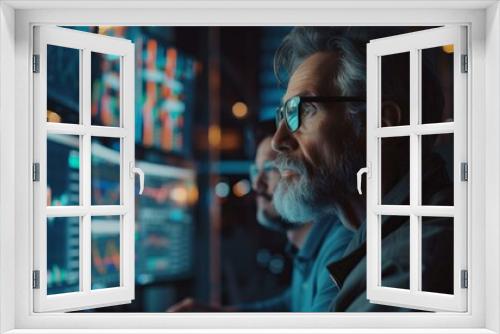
(86, 297)
(414, 298)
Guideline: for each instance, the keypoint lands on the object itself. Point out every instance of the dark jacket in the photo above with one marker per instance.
(349, 273)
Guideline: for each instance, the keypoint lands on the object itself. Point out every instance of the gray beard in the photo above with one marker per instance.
(297, 204)
(307, 199)
(312, 197)
(274, 223)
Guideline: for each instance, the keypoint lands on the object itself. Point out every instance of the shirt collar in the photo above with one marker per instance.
(290, 250)
(315, 237)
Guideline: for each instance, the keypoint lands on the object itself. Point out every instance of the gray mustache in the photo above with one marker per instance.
(282, 162)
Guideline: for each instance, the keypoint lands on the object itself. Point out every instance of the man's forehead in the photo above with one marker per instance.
(313, 76)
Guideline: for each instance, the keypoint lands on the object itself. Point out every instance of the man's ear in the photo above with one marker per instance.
(391, 113)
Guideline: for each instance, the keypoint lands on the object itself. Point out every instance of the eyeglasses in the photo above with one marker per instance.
(267, 167)
(291, 109)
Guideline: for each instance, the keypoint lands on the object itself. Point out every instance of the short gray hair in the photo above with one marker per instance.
(349, 77)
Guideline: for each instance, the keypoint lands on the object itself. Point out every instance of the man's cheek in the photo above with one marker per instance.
(329, 154)
(318, 159)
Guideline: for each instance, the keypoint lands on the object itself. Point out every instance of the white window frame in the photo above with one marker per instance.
(16, 21)
(85, 43)
(414, 43)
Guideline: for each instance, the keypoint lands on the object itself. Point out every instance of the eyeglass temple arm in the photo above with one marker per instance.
(333, 99)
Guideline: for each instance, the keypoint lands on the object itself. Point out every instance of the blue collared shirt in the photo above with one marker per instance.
(312, 289)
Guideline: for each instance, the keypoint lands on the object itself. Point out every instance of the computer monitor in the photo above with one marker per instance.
(166, 95)
(164, 219)
(165, 224)
(165, 89)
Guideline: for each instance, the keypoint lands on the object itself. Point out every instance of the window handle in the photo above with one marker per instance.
(136, 170)
(364, 170)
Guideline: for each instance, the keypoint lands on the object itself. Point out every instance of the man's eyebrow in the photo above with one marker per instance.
(306, 92)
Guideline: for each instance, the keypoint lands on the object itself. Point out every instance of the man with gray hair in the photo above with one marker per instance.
(321, 144)
(311, 246)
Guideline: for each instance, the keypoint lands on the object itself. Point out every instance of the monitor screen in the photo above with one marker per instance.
(165, 98)
(105, 252)
(165, 223)
(165, 88)
(164, 219)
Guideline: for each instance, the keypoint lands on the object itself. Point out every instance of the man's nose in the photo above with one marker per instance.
(283, 141)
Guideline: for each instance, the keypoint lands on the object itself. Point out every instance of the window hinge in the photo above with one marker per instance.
(36, 279)
(464, 171)
(465, 64)
(464, 279)
(36, 172)
(36, 63)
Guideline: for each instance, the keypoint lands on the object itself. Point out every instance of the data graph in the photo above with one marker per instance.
(105, 252)
(165, 231)
(63, 255)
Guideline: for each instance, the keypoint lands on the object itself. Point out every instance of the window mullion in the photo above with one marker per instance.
(85, 256)
(415, 175)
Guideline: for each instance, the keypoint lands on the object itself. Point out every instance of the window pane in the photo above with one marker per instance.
(395, 84)
(105, 171)
(437, 254)
(63, 255)
(63, 84)
(63, 170)
(105, 77)
(395, 254)
(437, 169)
(395, 181)
(105, 252)
(437, 84)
